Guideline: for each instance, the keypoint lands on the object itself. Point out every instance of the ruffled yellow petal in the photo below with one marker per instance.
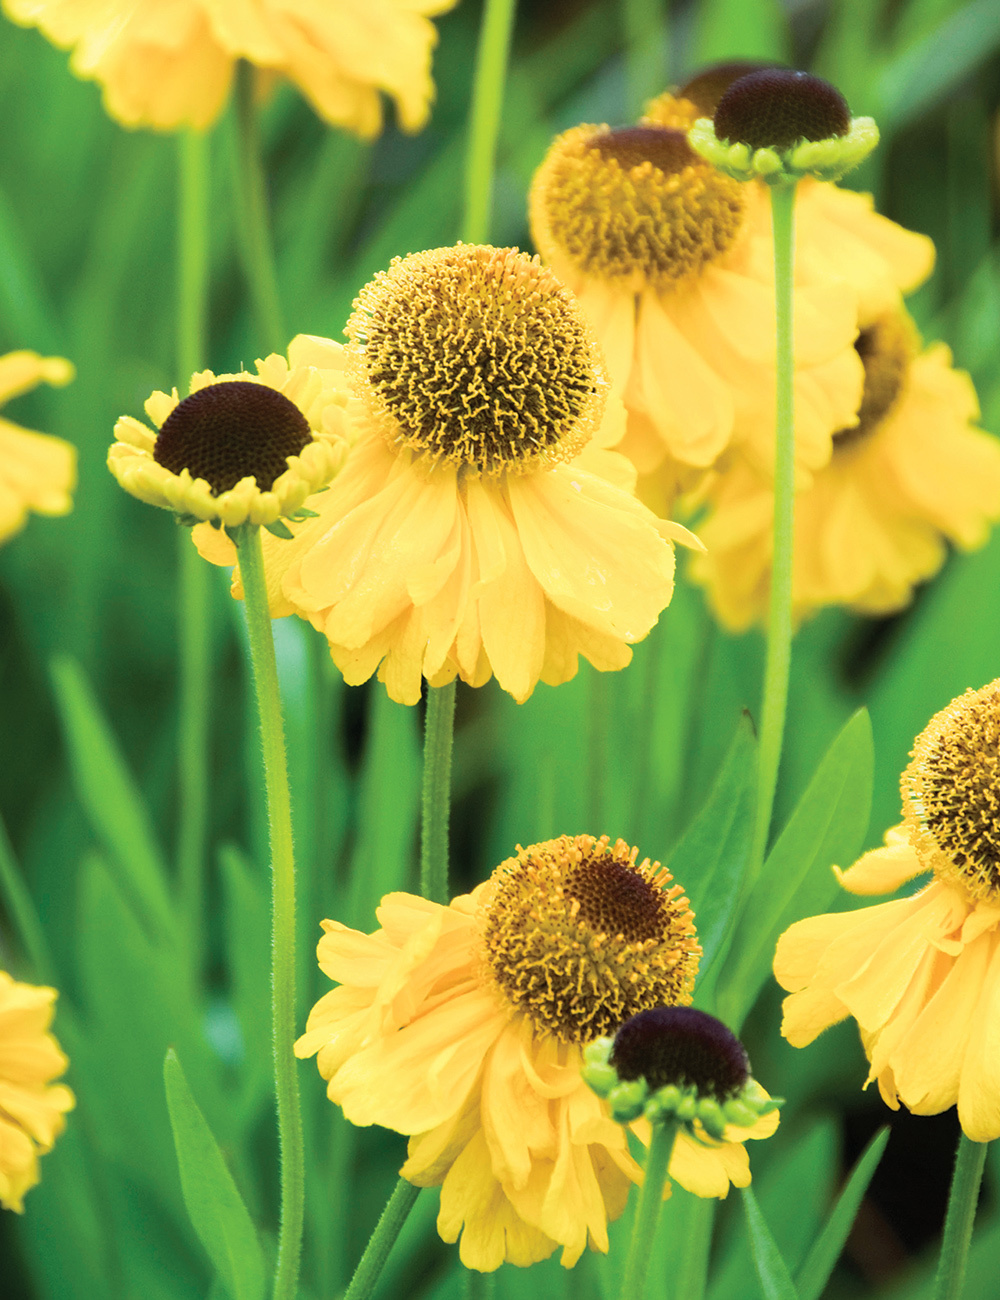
(979, 1087)
(883, 871)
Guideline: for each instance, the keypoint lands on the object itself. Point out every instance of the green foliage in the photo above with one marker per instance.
(772, 1272)
(216, 1208)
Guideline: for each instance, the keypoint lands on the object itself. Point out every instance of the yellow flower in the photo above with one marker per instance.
(480, 526)
(169, 63)
(912, 474)
(37, 472)
(31, 1106)
(921, 975)
(672, 263)
(241, 448)
(464, 1026)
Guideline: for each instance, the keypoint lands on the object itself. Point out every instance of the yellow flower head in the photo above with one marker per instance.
(464, 1027)
(912, 474)
(241, 448)
(32, 1108)
(169, 63)
(921, 975)
(37, 472)
(671, 261)
(481, 526)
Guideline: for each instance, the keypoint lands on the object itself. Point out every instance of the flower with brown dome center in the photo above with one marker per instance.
(921, 974)
(913, 474)
(579, 937)
(241, 448)
(481, 525)
(464, 1027)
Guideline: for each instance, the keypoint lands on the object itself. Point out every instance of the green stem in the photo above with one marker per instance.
(194, 617)
(650, 1199)
(484, 117)
(252, 223)
(439, 727)
(598, 731)
(265, 674)
(382, 1240)
(644, 23)
(969, 1161)
(779, 628)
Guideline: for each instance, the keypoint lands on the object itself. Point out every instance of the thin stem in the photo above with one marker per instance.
(650, 1198)
(252, 222)
(382, 1240)
(779, 627)
(644, 23)
(484, 117)
(194, 617)
(265, 674)
(962, 1199)
(21, 907)
(439, 727)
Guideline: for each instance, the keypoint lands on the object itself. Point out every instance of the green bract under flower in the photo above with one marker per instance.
(778, 125)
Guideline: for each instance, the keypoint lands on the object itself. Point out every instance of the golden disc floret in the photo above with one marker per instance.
(951, 794)
(636, 205)
(578, 937)
(886, 350)
(477, 357)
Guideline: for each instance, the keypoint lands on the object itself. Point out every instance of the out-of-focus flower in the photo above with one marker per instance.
(672, 263)
(32, 1107)
(169, 63)
(480, 525)
(464, 1027)
(37, 471)
(921, 975)
(241, 448)
(913, 474)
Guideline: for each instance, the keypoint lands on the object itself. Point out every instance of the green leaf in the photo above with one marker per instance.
(216, 1208)
(828, 826)
(248, 938)
(819, 1263)
(772, 1272)
(280, 529)
(923, 73)
(111, 800)
(712, 858)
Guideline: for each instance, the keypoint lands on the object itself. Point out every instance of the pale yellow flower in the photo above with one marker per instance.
(169, 63)
(464, 1026)
(912, 475)
(37, 472)
(920, 975)
(481, 526)
(32, 1107)
(244, 448)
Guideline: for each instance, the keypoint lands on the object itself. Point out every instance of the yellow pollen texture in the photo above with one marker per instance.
(886, 350)
(635, 205)
(951, 793)
(578, 937)
(477, 357)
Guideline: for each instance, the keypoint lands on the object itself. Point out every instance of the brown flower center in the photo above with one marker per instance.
(230, 431)
(777, 107)
(682, 1046)
(579, 938)
(886, 349)
(951, 793)
(477, 357)
(635, 205)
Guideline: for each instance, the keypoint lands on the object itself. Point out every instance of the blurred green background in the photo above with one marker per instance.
(88, 630)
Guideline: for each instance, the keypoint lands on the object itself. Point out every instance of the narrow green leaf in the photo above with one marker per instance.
(712, 858)
(280, 529)
(772, 1272)
(111, 800)
(819, 1263)
(216, 1208)
(827, 827)
(923, 73)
